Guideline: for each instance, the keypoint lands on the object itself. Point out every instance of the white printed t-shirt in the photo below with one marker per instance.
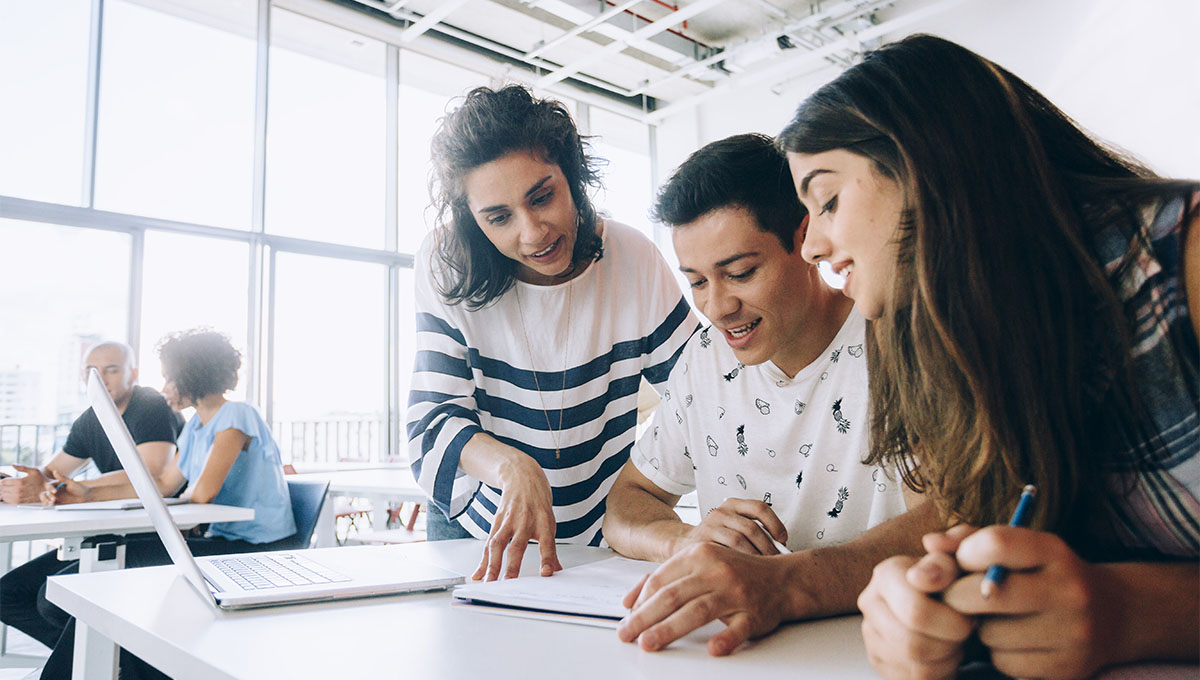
(732, 431)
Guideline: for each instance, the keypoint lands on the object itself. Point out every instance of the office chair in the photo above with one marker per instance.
(307, 499)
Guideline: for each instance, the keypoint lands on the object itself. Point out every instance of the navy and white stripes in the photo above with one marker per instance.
(474, 372)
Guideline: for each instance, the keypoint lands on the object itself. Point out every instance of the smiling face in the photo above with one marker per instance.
(855, 215)
(755, 292)
(524, 207)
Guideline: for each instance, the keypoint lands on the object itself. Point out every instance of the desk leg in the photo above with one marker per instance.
(327, 525)
(5, 565)
(379, 512)
(96, 655)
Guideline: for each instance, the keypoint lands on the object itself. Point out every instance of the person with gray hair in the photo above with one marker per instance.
(154, 426)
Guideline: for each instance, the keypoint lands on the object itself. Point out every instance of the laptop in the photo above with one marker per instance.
(265, 579)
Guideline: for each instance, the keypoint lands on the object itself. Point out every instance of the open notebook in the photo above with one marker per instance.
(590, 594)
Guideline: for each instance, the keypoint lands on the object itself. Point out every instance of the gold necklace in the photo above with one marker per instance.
(566, 357)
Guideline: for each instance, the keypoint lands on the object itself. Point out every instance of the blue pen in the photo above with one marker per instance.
(996, 573)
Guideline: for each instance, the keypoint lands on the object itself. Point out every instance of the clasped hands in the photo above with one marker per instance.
(1048, 619)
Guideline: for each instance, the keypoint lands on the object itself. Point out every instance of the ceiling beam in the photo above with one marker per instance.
(581, 28)
(780, 67)
(435, 16)
(673, 19)
(837, 13)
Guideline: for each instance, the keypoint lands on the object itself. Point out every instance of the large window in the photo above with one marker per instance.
(144, 191)
(427, 88)
(625, 144)
(176, 129)
(326, 151)
(61, 290)
(190, 282)
(329, 347)
(43, 87)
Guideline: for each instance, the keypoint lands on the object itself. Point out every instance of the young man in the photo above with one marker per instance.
(764, 414)
(154, 427)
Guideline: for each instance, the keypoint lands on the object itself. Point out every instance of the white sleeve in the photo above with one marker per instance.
(442, 414)
(661, 453)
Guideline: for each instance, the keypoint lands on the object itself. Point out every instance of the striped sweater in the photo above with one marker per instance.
(474, 372)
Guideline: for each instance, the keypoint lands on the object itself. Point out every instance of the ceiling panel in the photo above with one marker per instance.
(642, 50)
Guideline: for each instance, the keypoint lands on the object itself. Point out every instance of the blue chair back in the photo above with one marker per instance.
(307, 499)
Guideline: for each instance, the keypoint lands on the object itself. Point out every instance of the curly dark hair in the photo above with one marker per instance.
(490, 124)
(200, 362)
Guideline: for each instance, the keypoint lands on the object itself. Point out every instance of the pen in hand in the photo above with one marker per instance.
(996, 573)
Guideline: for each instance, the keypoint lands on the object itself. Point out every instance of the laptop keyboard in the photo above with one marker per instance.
(281, 570)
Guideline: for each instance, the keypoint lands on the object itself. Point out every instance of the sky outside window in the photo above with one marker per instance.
(191, 282)
(41, 140)
(326, 160)
(175, 134)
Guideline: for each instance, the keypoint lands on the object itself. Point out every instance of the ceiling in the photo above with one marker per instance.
(663, 54)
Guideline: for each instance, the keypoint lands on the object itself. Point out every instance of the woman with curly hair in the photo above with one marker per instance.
(536, 320)
(226, 455)
(1035, 306)
(226, 452)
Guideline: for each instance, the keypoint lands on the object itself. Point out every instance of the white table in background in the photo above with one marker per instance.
(341, 466)
(33, 522)
(379, 485)
(156, 615)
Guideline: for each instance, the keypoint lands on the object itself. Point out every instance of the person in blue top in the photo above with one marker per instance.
(226, 452)
(226, 455)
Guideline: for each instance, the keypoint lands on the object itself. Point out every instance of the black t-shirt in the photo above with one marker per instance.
(147, 416)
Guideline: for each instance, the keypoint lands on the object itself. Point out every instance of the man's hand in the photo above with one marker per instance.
(63, 490)
(909, 633)
(702, 583)
(745, 525)
(22, 489)
(525, 513)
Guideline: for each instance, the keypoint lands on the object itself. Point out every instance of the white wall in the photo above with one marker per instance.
(1127, 70)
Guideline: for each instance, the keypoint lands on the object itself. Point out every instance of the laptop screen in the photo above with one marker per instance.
(139, 476)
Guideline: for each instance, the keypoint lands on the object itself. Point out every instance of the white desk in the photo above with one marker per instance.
(156, 615)
(379, 485)
(31, 522)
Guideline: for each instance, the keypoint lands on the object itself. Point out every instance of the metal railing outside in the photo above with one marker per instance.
(300, 441)
(30, 444)
(331, 441)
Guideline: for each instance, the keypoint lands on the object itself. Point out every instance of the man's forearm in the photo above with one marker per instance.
(109, 492)
(640, 526)
(827, 581)
(116, 477)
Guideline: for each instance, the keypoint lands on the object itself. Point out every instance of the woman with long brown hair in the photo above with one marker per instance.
(1035, 299)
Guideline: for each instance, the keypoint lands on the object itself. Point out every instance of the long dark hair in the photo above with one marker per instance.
(1002, 344)
(490, 124)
